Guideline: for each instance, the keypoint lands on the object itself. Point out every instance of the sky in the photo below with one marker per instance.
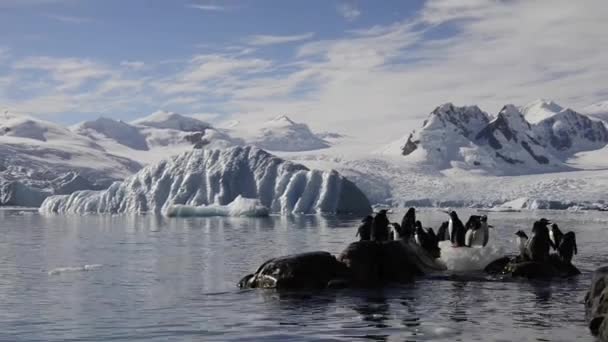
(361, 67)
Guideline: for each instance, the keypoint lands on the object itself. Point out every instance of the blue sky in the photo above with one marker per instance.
(338, 63)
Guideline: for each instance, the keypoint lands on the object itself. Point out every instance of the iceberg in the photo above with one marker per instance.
(218, 177)
(467, 259)
(248, 207)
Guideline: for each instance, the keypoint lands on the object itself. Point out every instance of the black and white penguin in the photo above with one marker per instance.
(522, 242)
(380, 226)
(567, 247)
(473, 236)
(365, 228)
(432, 244)
(408, 224)
(556, 236)
(442, 232)
(485, 228)
(396, 231)
(420, 235)
(456, 230)
(539, 244)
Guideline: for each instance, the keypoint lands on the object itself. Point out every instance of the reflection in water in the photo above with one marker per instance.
(375, 311)
(458, 302)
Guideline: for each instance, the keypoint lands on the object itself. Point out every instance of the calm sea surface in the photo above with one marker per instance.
(101, 278)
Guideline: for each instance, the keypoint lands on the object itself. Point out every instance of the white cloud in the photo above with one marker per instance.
(69, 73)
(377, 82)
(503, 52)
(69, 19)
(203, 69)
(135, 65)
(208, 7)
(261, 40)
(4, 54)
(348, 10)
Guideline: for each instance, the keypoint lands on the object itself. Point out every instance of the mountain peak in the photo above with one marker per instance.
(283, 119)
(539, 110)
(171, 120)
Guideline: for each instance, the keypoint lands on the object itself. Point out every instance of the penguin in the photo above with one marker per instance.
(432, 244)
(539, 244)
(556, 236)
(567, 247)
(420, 235)
(396, 231)
(473, 236)
(442, 232)
(522, 242)
(365, 228)
(485, 229)
(408, 224)
(456, 230)
(380, 226)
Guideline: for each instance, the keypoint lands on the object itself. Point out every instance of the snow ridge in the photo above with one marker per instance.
(467, 138)
(280, 134)
(217, 177)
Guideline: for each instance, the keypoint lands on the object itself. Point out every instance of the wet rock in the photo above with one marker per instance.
(497, 266)
(374, 263)
(311, 270)
(552, 268)
(596, 304)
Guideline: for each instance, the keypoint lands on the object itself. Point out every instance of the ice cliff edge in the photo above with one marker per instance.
(213, 176)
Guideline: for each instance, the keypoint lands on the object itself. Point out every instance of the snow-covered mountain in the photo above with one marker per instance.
(155, 137)
(119, 132)
(597, 110)
(279, 134)
(468, 138)
(211, 176)
(38, 157)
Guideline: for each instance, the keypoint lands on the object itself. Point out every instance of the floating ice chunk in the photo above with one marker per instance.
(84, 268)
(241, 206)
(462, 259)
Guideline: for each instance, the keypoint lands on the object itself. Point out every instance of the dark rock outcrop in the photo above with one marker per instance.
(311, 270)
(553, 268)
(361, 264)
(372, 264)
(596, 304)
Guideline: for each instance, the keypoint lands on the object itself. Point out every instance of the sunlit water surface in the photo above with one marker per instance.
(152, 278)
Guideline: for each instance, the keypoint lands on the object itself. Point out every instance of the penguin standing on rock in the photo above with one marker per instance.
(556, 236)
(485, 229)
(567, 247)
(365, 228)
(539, 244)
(442, 232)
(456, 230)
(522, 242)
(473, 236)
(396, 231)
(420, 235)
(408, 224)
(380, 226)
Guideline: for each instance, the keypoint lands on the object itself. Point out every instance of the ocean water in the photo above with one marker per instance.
(128, 278)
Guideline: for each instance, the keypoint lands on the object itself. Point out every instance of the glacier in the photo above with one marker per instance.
(217, 177)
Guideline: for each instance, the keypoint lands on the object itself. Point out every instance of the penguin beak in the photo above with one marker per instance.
(490, 226)
(445, 211)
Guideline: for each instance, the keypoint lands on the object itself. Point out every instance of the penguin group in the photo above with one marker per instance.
(475, 233)
(538, 247)
(379, 228)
